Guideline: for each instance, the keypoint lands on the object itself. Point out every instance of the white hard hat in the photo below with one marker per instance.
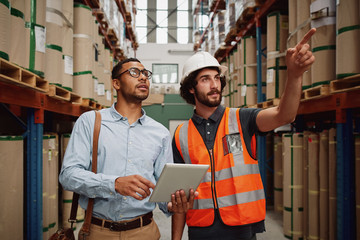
(198, 61)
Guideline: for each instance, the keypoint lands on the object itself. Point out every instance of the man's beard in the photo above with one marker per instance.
(135, 97)
(203, 98)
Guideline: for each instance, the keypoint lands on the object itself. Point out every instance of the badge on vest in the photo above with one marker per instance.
(232, 143)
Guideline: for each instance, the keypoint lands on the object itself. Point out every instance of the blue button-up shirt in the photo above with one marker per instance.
(141, 148)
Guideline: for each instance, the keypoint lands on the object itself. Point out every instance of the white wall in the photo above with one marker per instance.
(172, 53)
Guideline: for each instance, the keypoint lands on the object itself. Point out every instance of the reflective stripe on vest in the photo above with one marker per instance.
(246, 204)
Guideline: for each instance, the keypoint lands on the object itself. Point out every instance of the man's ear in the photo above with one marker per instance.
(116, 84)
(191, 90)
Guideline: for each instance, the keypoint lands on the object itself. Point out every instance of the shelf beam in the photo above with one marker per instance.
(30, 98)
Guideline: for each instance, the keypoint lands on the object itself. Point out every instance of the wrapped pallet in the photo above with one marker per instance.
(4, 29)
(35, 39)
(324, 183)
(12, 187)
(17, 36)
(323, 42)
(293, 185)
(347, 38)
(277, 28)
(278, 174)
(332, 185)
(313, 187)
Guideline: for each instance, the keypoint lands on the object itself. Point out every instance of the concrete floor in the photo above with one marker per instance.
(273, 225)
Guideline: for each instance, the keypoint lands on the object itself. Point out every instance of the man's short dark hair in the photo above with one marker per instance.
(116, 70)
(190, 82)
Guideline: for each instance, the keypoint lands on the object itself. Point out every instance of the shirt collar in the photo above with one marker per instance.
(214, 117)
(117, 116)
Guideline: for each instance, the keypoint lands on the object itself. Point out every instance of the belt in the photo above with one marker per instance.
(123, 226)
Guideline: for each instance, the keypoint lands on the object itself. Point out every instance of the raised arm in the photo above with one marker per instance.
(298, 60)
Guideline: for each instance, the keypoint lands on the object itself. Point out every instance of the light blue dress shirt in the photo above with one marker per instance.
(141, 148)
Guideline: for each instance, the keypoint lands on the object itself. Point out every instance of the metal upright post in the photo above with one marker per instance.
(345, 176)
(261, 140)
(34, 175)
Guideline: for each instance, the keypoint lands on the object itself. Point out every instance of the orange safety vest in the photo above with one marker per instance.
(233, 182)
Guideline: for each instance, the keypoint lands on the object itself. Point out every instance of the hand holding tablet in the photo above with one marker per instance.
(176, 177)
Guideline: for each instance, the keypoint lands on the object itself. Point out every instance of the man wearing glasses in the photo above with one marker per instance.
(132, 151)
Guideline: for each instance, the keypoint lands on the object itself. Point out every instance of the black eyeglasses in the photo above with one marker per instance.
(135, 72)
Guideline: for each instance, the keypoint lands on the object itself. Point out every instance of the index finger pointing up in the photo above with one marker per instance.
(306, 38)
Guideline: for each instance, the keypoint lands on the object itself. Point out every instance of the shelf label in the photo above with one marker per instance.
(68, 65)
(243, 90)
(101, 89)
(270, 76)
(40, 39)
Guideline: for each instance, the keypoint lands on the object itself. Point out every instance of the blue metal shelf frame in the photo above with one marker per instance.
(261, 140)
(345, 166)
(34, 203)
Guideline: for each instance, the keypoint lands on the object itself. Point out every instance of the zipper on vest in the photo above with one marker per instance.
(213, 189)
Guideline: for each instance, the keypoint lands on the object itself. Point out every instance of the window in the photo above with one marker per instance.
(162, 21)
(165, 73)
(141, 21)
(153, 24)
(182, 21)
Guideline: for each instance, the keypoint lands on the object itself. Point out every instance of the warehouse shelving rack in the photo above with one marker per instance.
(344, 108)
(36, 103)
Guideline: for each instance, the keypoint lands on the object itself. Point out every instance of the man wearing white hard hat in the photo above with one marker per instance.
(231, 200)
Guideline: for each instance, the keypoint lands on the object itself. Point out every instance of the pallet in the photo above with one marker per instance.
(11, 73)
(245, 17)
(59, 93)
(74, 98)
(86, 102)
(269, 103)
(315, 92)
(345, 84)
(230, 36)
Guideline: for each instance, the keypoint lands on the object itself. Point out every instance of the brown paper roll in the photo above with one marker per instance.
(17, 42)
(12, 187)
(348, 53)
(5, 31)
(84, 85)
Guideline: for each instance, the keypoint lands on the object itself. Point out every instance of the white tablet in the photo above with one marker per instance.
(175, 177)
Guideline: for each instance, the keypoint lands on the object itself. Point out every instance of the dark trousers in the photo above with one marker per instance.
(218, 230)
